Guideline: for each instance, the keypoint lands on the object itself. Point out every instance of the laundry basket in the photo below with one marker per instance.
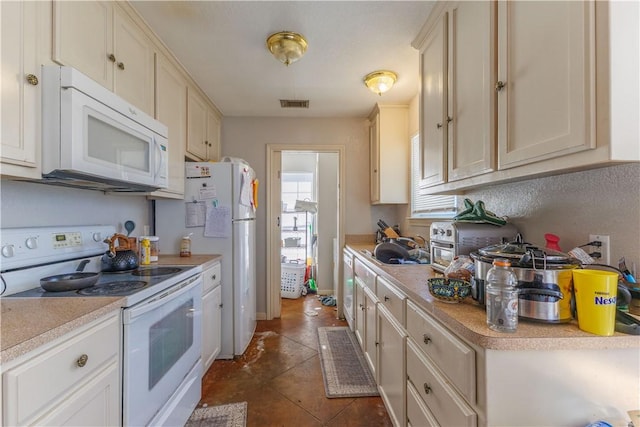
(291, 280)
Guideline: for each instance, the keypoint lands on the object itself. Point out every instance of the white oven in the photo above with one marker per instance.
(90, 135)
(162, 369)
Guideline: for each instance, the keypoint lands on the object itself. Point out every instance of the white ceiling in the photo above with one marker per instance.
(222, 44)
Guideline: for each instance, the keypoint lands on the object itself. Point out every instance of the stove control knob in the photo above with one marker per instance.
(448, 233)
(8, 251)
(97, 237)
(441, 231)
(31, 242)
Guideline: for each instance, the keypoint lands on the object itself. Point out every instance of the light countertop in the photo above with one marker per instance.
(27, 323)
(468, 319)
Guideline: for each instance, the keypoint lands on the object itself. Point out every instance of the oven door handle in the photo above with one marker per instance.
(135, 312)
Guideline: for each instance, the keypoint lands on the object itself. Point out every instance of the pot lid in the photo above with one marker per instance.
(522, 250)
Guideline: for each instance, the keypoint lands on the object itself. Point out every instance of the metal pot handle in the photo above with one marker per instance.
(537, 291)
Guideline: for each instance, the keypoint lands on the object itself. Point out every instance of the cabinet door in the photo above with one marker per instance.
(433, 62)
(196, 125)
(171, 110)
(359, 311)
(211, 326)
(546, 56)
(371, 333)
(374, 158)
(133, 77)
(213, 136)
(97, 403)
(20, 94)
(471, 96)
(83, 38)
(392, 377)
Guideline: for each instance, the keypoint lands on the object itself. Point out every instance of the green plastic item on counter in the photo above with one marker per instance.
(476, 212)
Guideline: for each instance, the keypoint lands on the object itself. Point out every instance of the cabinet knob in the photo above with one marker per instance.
(426, 339)
(32, 79)
(449, 119)
(112, 57)
(213, 277)
(427, 389)
(386, 298)
(82, 360)
(439, 125)
(121, 65)
(499, 85)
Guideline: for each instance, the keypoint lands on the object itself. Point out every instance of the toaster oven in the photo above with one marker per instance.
(448, 239)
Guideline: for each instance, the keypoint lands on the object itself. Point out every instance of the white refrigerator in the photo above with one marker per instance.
(219, 212)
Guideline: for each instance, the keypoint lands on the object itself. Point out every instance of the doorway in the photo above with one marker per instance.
(310, 233)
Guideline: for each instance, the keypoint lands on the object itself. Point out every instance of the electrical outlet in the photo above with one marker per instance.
(604, 249)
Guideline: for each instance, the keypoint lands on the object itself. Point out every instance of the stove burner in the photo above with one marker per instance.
(155, 271)
(121, 288)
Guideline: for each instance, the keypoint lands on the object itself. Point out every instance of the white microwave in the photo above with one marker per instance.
(92, 138)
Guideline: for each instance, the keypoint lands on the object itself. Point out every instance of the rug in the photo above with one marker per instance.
(344, 368)
(231, 415)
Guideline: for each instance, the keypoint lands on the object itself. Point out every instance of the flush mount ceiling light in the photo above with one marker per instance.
(287, 46)
(380, 81)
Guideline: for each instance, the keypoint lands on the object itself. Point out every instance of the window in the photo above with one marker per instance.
(425, 205)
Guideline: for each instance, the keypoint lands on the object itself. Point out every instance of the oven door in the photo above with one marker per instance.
(442, 253)
(162, 343)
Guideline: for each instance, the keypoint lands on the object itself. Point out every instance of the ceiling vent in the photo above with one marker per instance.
(294, 103)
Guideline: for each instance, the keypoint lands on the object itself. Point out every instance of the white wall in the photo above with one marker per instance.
(25, 204)
(248, 137)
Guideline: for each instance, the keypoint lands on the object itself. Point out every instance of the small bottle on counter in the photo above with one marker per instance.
(185, 246)
(501, 295)
(145, 252)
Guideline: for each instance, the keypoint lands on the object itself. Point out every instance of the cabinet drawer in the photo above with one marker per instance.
(211, 278)
(443, 401)
(418, 415)
(34, 385)
(392, 299)
(368, 277)
(456, 359)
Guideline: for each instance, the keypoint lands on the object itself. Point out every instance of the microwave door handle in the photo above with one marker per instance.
(160, 162)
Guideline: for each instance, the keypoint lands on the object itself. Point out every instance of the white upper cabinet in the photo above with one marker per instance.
(203, 128)
(20, 90)
(471, 102)
(100, 40)
(522, 80)
(389, 154)
(546, 80)
(171, 110)
(433, 63)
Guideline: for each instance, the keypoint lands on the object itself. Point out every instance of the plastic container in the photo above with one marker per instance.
(145, 251)
(154, 244)
(291, 280)
(501, 295)
(185, 246)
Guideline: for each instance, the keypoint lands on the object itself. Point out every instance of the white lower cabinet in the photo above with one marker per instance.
(391, 371)
(371, 333)
(448, 407)
(211, 314)
(418, 415)
(74, 380)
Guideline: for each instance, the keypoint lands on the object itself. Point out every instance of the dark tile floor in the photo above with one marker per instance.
(279, 375)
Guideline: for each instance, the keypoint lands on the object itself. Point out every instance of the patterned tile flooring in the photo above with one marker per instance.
(280, 377)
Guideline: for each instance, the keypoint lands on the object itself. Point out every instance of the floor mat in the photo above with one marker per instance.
(231, 415)
(344, 368)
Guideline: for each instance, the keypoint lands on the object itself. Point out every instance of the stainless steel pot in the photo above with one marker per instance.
(545, 279)
(121, 257)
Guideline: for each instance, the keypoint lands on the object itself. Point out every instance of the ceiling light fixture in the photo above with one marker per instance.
(287, 46)
(380, 81)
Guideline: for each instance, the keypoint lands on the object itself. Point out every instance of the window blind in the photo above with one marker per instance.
(422, 204)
